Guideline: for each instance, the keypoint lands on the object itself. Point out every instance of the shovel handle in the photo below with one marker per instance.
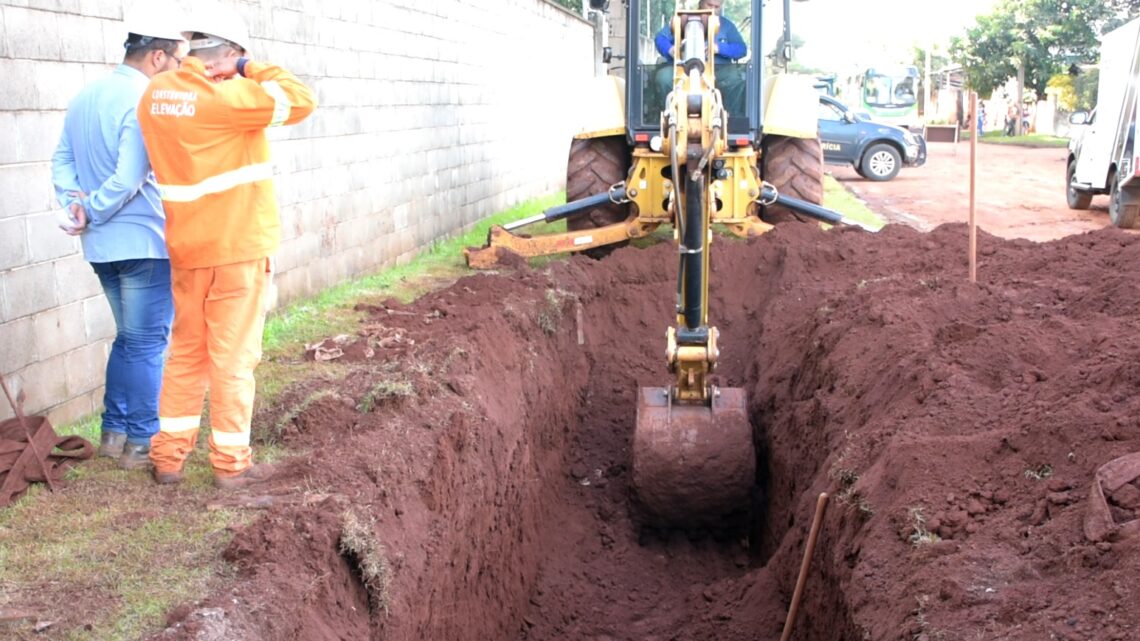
(793, 609)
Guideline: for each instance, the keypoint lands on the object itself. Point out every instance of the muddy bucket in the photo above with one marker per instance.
(693, 465)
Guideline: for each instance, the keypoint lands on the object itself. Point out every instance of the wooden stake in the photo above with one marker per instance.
(973, 172)
(794, 608)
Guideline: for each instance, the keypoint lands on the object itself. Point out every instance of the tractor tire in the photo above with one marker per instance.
(1123, 204)
(595, 165)
(1077, 198)
(794, 166)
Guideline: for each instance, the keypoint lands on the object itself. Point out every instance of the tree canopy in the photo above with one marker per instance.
(1046, 36)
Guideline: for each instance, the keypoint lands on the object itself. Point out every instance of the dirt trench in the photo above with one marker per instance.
(469, 479)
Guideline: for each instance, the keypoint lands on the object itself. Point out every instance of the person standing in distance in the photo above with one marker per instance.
(204, 127)
(102, 175)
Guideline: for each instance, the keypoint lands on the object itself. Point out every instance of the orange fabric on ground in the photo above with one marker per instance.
(219, 315)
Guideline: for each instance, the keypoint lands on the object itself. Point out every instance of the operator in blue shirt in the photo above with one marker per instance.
(730, 47)
(102, 176)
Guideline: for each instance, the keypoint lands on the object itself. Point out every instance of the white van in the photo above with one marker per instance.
(1101, 156)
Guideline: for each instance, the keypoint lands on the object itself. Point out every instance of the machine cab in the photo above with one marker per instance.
(649, 66)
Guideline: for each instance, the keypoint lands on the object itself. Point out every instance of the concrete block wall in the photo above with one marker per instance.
(433, 114)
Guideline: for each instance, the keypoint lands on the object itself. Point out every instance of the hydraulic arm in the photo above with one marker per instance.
(693, 459)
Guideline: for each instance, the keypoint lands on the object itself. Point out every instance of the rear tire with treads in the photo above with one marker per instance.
(595, 165)
(1076, 198)
(1123, 204)
(795, 167)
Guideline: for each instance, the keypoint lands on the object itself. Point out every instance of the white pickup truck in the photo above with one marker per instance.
(1101, 151)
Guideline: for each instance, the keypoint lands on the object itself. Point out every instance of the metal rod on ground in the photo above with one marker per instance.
(28, 433)
(973, 173)
(793, 609)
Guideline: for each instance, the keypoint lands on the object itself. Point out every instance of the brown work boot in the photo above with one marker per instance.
(111, 444)
(172, 477)
(258, 473)
(135, 457)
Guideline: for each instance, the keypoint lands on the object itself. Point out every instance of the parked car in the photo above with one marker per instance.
(876, 151)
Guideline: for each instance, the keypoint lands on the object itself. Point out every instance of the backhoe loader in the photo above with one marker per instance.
(691, 139)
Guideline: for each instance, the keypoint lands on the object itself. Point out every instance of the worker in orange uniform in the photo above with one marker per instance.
(204, 129)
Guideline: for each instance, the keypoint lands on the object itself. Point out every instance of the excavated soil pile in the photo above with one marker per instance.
(469, 478)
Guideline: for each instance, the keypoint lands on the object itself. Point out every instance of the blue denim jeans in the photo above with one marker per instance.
(139, 294)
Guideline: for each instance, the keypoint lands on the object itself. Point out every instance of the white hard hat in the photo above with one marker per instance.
(219, 22)
(155, 20)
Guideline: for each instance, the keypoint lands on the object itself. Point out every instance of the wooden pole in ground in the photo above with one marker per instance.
(973, 176)
(794, 608)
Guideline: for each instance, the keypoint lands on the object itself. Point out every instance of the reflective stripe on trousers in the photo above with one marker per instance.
(219, 314)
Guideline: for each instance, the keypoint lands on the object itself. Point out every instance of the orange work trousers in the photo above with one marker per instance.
(219, 316)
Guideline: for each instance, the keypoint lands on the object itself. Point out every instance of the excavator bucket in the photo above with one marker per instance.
(693, 465)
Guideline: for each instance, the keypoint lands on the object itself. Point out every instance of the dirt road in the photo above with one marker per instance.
(1020, 192)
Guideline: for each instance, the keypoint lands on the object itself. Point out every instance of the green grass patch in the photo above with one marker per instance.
(87, 427)
(359, 545)
(384, 391)
(1024, 140)
(110, 555)
(838, 198)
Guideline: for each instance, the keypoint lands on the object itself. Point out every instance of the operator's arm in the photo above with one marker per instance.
(729, 43)
(274, 97)
(131, 170)
(64, 175)
(664, 42)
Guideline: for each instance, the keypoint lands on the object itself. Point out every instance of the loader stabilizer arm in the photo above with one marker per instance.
(502, 242)
(502, 245)
(769, 196)
(558, 212)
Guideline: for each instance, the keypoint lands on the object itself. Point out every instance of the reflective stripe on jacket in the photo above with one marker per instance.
(206, 141)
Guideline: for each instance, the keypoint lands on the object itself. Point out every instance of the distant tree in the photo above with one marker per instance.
(573, 5)
(1084, 85)
(1075, 90)
(938, 61)
(1039, 37)
(1124, 7)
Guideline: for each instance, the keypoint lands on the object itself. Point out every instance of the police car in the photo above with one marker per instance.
(877, 151)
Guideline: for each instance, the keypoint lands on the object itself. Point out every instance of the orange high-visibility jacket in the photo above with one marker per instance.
(207, 145)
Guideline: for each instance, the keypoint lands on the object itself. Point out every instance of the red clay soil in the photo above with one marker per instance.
(959, 427)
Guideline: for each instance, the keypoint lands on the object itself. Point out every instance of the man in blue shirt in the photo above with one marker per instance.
(102, 175)
(730, 47)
